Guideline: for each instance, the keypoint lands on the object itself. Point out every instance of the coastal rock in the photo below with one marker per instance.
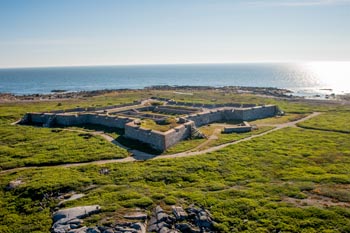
(80, 230)
(70, 220)
(186, 227)
(131, 227)
(14, 184)
(179, 213)
(66, 215)
(93, 230)
(136, 216)
(109, 230)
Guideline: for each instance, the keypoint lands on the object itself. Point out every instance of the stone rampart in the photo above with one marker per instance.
(156, 139)
(83, 109)
(227, 114)
(78, 119)
(38, 118)
(70, 119)
(254, 113)
(109, 121)
(205, 118)
(178, 134)
(174, 110)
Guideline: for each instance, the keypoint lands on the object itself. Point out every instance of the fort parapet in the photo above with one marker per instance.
(233, 114)
(64, 119)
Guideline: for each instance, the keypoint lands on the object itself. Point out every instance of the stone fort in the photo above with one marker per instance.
(127, 117)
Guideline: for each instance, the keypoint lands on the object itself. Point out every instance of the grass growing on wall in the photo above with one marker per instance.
(151, 124)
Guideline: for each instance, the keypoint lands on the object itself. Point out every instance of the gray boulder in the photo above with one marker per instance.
(93, 230)
(179, 213)
(76, 212)
(69, 220)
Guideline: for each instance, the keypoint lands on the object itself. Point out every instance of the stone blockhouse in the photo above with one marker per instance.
(242, 128)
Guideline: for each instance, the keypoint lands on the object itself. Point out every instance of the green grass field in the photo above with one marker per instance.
(291, 180)
(32, 146)
(331, 121)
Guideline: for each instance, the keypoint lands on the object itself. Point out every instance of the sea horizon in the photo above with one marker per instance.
(303, 78)
(175, 64)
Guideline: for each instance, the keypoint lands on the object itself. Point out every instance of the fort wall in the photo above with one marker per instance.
(78, 119)
(109, 121)
(38, 118)
(255, 113)
(70, 120)
(178, 134)
(239, 114)
(174, 110)
(156, 139)
(205, 118)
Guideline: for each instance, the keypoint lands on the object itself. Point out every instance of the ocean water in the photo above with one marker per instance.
(304, 79)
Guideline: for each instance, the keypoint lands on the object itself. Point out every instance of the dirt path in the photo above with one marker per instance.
(141, 156)
(215, 148)
(213, 136)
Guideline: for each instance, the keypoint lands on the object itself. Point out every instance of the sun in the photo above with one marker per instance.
(334, 75)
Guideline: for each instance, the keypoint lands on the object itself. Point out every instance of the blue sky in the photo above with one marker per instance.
(106, 32)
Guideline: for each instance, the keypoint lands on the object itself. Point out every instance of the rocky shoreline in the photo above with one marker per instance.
(61, 95)
(270, 92)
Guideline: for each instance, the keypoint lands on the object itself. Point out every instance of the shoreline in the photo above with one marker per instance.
(268, 92)
(62, 94)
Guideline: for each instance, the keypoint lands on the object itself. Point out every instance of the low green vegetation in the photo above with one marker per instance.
(289, 117)
(227, 138)
(111, 131)
(167, 125)
(331, 121)
(32, 146)
(290, 180)
(185, 145)
(245, 186)
(220, 138)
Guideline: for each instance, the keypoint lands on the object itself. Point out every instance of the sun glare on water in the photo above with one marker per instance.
(335, 75)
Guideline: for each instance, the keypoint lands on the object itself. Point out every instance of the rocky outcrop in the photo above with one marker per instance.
(160, 221)
(193, 220)
(13, 184)
(70, 220)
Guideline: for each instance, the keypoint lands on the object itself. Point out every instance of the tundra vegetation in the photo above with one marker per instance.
(295, 179)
